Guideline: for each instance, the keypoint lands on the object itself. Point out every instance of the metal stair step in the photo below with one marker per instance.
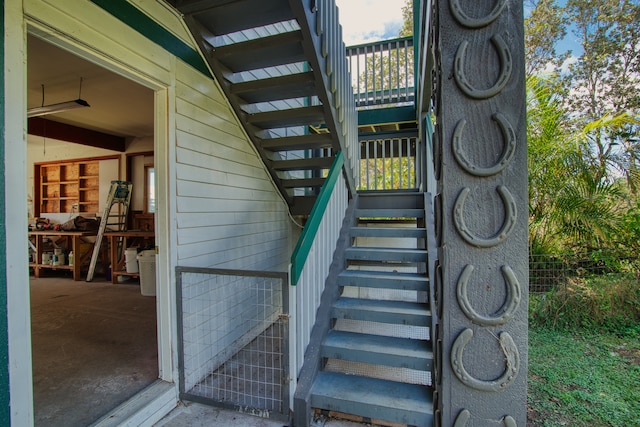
(397, 312)
(373, 398)
(229, 16)
(298, 142)
(280, 49)
(303, 182)
(314, 163)
(389, 213)
(398, 199)
(384, 279)
(397, 232)
(386, 254)
(378, 350)
(276, 88)
(287, 118)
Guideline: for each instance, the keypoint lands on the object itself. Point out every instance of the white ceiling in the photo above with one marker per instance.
(118, 106)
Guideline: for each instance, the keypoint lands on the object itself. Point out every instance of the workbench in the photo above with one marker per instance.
(117, 249)
(76, 241)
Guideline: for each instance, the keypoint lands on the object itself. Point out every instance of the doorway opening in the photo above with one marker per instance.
(94, 344)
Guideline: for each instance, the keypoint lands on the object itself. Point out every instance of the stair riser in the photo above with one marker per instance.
(392, 233)
(410, 418)
(389, 213)
(382, 255)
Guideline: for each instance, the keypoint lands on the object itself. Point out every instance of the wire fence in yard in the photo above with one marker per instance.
(546, 271)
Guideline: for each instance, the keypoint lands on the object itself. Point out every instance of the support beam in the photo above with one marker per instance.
(481, 212)
(64, 132)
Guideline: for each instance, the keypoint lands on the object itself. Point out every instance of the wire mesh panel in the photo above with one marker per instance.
(547, 271)
(233, 339)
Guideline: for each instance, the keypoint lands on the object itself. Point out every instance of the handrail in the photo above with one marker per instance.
(382, 72)
(301, 251)
(331, 68)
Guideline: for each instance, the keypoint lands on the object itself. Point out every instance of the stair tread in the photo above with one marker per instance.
(286, 118)
(374, 398)
(378, 349)
(351, 276)
(400, 312)
(386, 254)
(276, 88)
(302, 164)
(279, 49)
(224, 17)
(298, 142)
(416, 232)
(303, 182)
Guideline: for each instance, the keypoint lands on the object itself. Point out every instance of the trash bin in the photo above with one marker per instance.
(147, 266)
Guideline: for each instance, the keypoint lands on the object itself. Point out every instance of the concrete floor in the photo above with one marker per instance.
(94, 346)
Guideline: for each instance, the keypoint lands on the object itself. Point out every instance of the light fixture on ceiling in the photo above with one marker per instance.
(59, 107)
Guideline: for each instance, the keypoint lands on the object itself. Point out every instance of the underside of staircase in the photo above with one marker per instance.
(375, 361)
(262, 54)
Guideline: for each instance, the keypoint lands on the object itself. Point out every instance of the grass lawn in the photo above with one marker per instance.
(583, 379)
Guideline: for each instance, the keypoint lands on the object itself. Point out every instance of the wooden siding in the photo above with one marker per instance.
(218, 173)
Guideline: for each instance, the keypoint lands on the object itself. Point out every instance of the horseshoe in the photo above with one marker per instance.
(506, 67)
(465, 415)
(464, 19)
(505, 313)
(507, 153)
(504, 232)
(499, 384)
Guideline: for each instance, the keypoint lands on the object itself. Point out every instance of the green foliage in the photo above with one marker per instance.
(583, 379)
(609, 303)
(583, 124)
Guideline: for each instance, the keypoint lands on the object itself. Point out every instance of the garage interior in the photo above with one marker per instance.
(94, 344)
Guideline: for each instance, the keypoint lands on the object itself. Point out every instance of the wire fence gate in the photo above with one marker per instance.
(233, 339)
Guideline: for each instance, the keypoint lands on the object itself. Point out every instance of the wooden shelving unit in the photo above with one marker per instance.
(69, 187)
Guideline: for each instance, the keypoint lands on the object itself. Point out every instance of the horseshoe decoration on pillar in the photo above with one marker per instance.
(465, 415)
(506, 312)
(499, 384)
(501, 235)
(506, 66)
(507, 153)
(465, 20)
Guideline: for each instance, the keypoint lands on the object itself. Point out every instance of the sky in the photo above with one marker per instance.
(365, 21)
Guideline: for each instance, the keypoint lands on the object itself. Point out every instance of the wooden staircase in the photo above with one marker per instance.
(264, 56)
(376, 359)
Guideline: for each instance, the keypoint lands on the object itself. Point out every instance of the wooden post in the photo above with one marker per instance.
(481, 213)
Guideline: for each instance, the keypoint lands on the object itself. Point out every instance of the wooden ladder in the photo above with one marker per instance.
(120, 196)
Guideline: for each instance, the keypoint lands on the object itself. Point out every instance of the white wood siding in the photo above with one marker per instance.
(220, 178)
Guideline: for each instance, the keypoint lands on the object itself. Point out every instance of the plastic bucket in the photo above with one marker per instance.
(131, 260)
(147, 262)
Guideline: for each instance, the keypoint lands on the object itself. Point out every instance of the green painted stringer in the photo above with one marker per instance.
(301, 252)
(5, 412)
(387, 115)
(136, 19)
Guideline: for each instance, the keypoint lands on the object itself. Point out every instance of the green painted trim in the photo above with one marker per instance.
(5, 401)
(136, 19)
(387, 115)
(301, 251)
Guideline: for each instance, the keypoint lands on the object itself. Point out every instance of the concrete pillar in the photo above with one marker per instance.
(481, 213)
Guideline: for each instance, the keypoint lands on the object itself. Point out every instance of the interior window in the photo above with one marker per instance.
(149, 189)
